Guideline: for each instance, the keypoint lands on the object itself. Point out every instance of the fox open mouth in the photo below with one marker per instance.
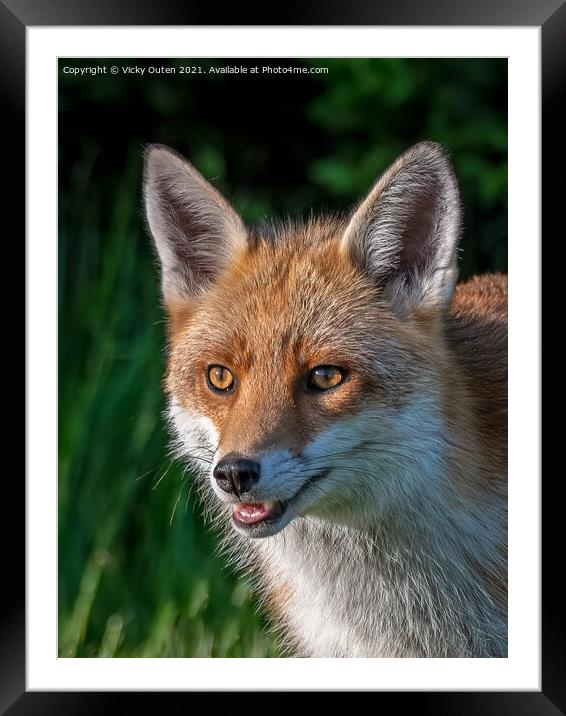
(248, 514)
(257, 517)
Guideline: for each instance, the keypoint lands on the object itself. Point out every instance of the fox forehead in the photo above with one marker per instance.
(275, 280)
(296, 300)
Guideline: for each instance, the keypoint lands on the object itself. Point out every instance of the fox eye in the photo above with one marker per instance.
(324, 377)
(219, 378)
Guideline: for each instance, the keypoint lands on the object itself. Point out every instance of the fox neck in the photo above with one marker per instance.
(399, 589)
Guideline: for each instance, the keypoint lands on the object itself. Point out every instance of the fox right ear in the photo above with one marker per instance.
(195, 230)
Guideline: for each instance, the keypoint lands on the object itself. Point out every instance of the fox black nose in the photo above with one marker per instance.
(236, 474)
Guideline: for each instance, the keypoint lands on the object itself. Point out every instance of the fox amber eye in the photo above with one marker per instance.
(219, 378)
(324, 377)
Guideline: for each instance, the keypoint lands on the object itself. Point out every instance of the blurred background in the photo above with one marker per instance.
(139, 574)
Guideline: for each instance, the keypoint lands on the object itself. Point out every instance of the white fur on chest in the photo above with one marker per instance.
(333, 605)
(354, 597)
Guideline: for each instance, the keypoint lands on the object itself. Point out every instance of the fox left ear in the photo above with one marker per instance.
(405, 232)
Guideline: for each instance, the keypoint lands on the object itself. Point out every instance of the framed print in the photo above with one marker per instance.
(172, 368)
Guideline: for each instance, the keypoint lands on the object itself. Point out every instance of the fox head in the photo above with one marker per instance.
(306, 359)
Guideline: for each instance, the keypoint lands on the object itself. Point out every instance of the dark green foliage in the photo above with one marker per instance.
(133, 580)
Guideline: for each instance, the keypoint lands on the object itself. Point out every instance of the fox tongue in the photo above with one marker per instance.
(250, 513)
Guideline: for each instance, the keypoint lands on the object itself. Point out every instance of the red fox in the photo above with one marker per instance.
(343, 404)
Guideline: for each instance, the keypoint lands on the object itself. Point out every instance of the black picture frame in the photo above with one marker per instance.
(15, 16)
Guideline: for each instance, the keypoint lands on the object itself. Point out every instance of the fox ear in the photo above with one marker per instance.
(195, 230)
(405, 232)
